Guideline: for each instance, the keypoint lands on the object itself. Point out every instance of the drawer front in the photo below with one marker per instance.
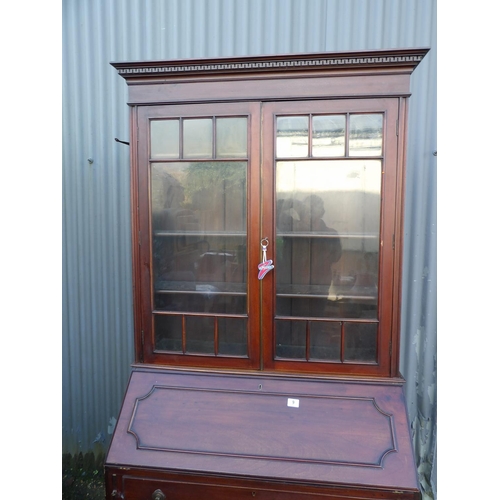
(152, 489)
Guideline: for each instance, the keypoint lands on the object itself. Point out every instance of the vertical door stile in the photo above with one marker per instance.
(253, 231)
(267, 231)
(401, 135)
(135, 227)
(390, 214)
(143, 258)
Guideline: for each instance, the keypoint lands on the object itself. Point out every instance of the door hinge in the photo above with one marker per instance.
(390, 347)
(397, 127)
(393, 242)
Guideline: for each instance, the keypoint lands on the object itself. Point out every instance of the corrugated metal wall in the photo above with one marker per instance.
(97, 283)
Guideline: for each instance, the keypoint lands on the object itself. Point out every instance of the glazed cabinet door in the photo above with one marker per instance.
(329, 191)
(266, 235)
(197, 220)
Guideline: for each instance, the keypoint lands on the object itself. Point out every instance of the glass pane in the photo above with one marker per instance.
(165, 139)
(360, 342)
(327, 246)
(292, 136)
(328, 135)
(232, 336)
(365, 135)
(199, 236)
(197, 138)
(200, 335)
(290, 339)
(231, 138)
(168, 333)
(325, 340)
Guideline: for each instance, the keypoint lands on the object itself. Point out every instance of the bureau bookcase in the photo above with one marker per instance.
(267, 200)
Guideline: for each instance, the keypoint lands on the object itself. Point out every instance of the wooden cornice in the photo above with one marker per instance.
(400, 60)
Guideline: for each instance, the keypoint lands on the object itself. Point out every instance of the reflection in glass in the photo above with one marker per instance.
(360, 342)
(365, 135)
(168, 333)
(232, 334)
(325, 340)
(203, 196)
(199, 236)
(290, 339)
(328, 135)
(199, 335)
(322, 341)
(197, 138)
(231, 138)
(327, 238)
(165, 139)
(292, 136)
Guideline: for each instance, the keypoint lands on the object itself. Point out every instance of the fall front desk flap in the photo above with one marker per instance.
(313, 431)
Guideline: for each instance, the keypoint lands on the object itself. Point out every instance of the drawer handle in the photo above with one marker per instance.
(158, 495)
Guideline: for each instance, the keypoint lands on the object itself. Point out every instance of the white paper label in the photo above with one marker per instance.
(293, 403)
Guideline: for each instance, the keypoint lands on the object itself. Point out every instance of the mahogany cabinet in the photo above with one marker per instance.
(267, 197)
